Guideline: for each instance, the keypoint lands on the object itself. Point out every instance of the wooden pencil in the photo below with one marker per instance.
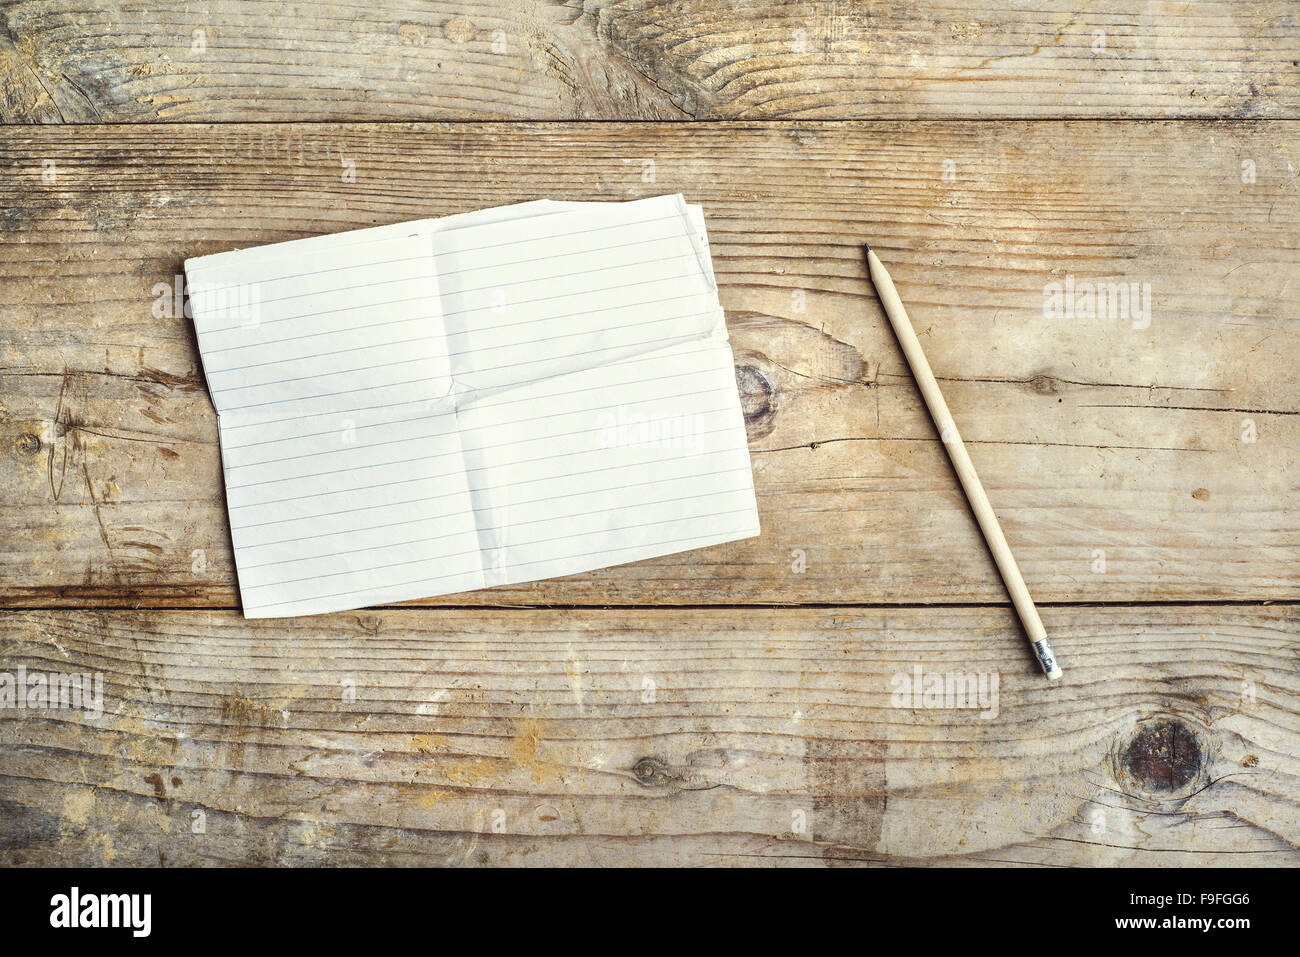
(961, 463)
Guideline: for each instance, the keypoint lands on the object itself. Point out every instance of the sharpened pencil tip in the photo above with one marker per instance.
(867, 246)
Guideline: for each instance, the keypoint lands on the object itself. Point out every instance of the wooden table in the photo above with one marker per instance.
(740, 704)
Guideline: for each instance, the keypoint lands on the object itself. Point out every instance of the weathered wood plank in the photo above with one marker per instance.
(69, 61)
(1103, 446)
(655, 736)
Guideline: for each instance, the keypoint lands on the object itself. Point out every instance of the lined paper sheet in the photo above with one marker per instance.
(485, 399)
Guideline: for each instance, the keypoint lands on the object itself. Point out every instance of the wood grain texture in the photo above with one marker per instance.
(1129, 461)
(74, 62)
(697, 737)
(1092, 436)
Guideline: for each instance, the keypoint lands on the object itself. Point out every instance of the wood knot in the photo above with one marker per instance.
(459, 29)
(651, 772)
(29, 444)
(410, 35)
(1164, 756)
(1044, 385)
(756, 393)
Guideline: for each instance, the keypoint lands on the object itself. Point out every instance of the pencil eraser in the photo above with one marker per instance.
(1047, 658)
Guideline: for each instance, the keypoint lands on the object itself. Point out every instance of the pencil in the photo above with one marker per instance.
(961, 463)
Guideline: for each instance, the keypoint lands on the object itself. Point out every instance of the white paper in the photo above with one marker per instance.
(485, 399)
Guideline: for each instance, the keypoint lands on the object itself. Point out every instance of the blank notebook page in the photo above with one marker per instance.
(485, 399)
